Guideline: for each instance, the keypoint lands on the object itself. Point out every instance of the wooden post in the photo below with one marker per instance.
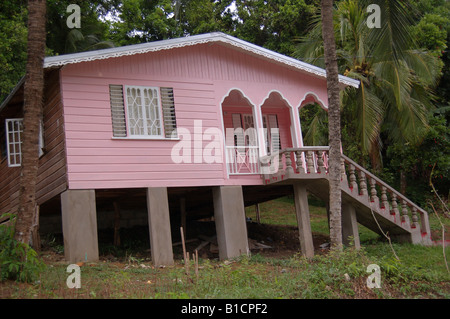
(183, 215)
(258, 216)
(116, 224)
(185, 255)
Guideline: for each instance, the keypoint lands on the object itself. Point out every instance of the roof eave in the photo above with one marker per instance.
(12, 93)
(218, 37)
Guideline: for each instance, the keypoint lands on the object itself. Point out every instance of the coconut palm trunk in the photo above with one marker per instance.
(27, 219)
(334, 123)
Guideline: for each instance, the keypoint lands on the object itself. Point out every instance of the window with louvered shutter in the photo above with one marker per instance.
(168, 108)
(117, 111)
(142, 111)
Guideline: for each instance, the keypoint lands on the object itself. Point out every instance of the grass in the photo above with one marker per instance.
(420, 273)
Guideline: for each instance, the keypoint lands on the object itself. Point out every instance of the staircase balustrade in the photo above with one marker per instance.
(311, 161)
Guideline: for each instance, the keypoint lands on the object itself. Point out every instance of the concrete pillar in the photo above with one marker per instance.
(79, 221)
(350, 226)
(303, 220)
(159, 226)
(231, 226)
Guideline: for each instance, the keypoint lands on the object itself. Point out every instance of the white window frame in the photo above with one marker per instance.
(143, 110)
(18, 144)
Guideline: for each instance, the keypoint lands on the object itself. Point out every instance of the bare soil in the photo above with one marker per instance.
(282, 240)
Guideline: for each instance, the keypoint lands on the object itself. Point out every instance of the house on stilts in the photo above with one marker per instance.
(198, 126)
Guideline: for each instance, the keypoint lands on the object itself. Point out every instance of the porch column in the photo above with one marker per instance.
(259, 130)
(303, 220)
(231, 226)
(79, 221)
(159, 226)
(350, 226)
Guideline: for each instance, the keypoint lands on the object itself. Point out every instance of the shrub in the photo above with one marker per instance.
(18, 261)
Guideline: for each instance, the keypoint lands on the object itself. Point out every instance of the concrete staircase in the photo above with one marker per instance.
(375, 204)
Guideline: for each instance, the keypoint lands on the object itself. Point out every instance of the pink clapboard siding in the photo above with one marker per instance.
(202, 76)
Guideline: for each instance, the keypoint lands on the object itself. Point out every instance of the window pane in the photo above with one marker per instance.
(152, 111)
(135, 118)
(14, 129)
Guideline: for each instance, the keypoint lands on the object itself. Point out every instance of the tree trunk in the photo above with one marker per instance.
(27, 221)
(334, 123)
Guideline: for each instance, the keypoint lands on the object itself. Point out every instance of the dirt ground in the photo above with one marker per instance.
(275, 241)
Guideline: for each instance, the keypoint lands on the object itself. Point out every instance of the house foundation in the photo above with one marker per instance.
(303, 221)
(229, 215)
(350, 234)
(159, 226)
(79, 221)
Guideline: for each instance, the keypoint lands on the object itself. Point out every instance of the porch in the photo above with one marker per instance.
(253, 131)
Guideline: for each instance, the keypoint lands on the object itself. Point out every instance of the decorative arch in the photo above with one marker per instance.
(276, 104)
(243, 158)
(273, 95)
(233, 94)
(310, 98)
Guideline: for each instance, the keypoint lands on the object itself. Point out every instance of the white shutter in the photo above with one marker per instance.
(274, 132)
(238, 130)
(250, 134)
(168, 109)
(117, 111)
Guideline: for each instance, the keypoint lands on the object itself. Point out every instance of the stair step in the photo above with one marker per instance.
(378, 206)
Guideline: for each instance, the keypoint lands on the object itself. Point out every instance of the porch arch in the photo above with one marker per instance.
(277, 111)
(242, 151)
(310, 98)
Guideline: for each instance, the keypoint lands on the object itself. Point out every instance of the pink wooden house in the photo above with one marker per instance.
(199, 125)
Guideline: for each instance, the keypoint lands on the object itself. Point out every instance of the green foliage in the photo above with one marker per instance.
(93, 34)
(18, 261)
(13, 45)
(430, 159)
(431, 33)
(396, 78)
(314, 121)
(276, 25)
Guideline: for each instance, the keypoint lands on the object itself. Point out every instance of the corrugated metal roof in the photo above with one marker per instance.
(215, 37)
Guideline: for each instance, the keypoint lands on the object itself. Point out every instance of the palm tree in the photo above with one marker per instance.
(394, 96)
(33, 97)
(334, 126)
(76, 41)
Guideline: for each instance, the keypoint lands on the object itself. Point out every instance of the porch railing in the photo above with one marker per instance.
(243, 160)
(307, 159)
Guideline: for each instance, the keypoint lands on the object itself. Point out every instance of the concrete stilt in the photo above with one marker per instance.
(231, 226)
(79, 221)
(350, 226)
(159, 226)
(303, 221)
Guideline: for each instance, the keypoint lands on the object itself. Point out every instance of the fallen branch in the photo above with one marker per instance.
(446, 210)
(185, 255)
(384, 234)
(443, 236)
